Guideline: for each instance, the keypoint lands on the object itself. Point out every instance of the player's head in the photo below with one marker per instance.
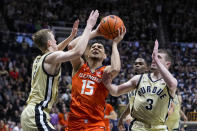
(44, 39)
(165, 58)
(140, 66)
(96, 51)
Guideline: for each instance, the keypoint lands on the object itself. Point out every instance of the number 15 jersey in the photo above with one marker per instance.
(88, 95)
(152, 101)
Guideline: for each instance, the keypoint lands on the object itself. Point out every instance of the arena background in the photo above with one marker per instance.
(172, 22)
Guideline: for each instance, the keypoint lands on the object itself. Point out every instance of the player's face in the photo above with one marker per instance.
(140, 66)
(97, 51)
(162, 59)
(53, 42)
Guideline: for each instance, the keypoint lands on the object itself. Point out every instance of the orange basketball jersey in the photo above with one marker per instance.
(88, 96)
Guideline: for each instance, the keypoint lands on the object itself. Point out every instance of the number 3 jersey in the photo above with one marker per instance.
(152, 101)
(88, 95)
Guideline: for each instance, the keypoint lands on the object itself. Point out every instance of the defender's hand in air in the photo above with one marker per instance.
(120, 36)
(155, 52)
(92, 19)
(75, 29)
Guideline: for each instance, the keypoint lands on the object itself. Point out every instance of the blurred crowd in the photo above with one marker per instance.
(140, 18)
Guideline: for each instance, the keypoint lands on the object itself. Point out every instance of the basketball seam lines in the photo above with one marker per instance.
(104, 29)
(115, 24)
(109, 27)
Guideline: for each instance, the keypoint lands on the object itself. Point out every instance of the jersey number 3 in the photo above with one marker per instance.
(150, 102)
(87, 84)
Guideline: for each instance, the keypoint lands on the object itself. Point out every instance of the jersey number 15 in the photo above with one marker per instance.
(87, 84)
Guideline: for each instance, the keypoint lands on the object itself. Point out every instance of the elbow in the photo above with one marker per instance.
(114, 93)
(173, 83)
(80, 53)
(116, 70)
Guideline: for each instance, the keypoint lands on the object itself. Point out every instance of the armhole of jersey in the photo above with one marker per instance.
(169, 104)
(79, 69)
(139, 80)
(136, 92)
(169, 93)
(45, 70)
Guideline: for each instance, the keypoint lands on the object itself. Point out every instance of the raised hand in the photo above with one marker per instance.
(92, 19)
(75, 28)
(120, 36)
(155, 51)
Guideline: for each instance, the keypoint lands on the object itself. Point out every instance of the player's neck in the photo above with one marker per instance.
(156, 75)
(94, 64)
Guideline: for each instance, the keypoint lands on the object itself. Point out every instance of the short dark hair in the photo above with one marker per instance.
(41, 38)
(168, 53)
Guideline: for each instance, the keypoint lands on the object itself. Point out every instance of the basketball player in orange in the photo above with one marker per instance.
(88, 92)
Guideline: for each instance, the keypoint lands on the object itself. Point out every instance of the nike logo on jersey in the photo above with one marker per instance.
(150, 90)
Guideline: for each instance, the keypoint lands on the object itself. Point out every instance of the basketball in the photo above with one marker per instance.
(109, 26)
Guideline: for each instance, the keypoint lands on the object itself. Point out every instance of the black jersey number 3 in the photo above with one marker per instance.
(149, 106)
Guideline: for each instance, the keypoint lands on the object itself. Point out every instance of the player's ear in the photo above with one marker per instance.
(49, 43)
(104, 56)
(168, 64)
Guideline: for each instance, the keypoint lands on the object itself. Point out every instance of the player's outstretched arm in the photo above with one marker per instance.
(115, 66)
(167, 76)
(123, 116)
(181, 112)
(63, 44)
(117, 90)
(78, 50)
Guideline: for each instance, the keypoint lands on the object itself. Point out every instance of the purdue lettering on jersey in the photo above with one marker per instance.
(44, 87)
(152, 101)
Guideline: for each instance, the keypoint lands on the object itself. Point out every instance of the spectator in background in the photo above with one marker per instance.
(3, 126)
(109, 114)
(54, 117)
(63, 118)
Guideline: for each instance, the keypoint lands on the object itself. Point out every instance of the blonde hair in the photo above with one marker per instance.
(41, 38)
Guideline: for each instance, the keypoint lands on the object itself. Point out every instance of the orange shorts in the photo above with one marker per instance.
(84, 125)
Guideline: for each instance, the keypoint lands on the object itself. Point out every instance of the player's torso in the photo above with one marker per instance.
(88, 93)
(44, 87)
(152, 101)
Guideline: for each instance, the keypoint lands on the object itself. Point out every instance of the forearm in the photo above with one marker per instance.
(73, 43)
(115, 60)
(125, 112)
(83, 41)
(182, 114)
(64, 43)
(167, 76)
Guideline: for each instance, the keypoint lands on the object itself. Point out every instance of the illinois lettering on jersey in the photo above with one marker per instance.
(88, 95)
(152, 101)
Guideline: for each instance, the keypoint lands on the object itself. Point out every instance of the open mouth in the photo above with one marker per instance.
(95, 52)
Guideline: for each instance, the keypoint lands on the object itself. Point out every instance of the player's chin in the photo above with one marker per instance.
(153, 68)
